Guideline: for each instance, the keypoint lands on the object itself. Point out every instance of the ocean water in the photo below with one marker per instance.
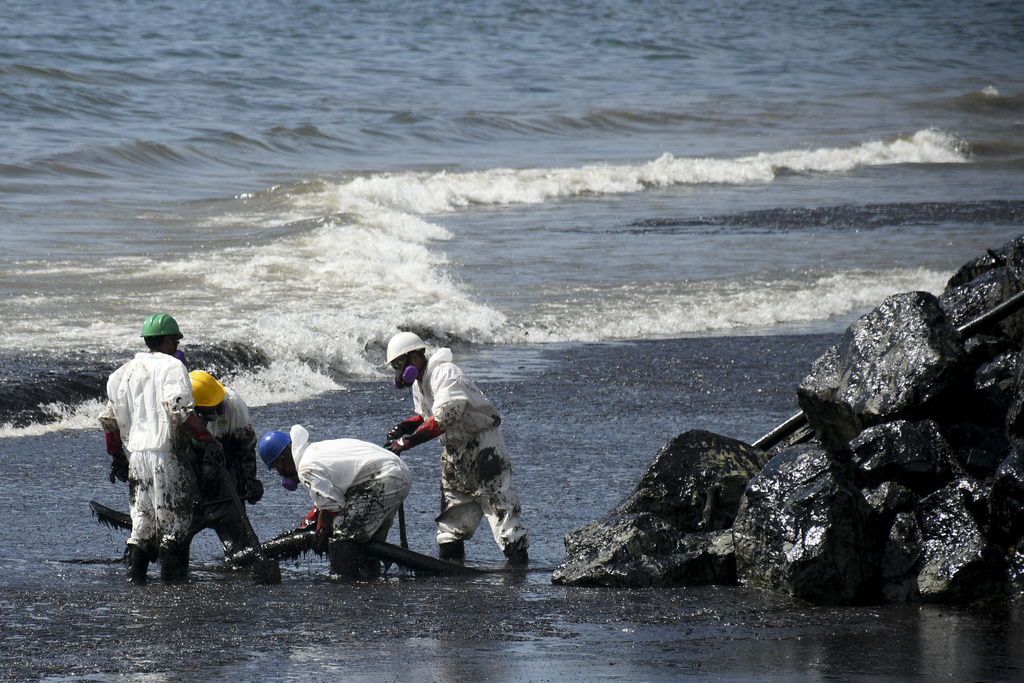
(628, 218)
(303, 181)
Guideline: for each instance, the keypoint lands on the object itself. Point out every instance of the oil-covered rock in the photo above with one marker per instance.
(939, 552)
(803, 528)
(669, 532)
(894, 363)
(901, 480)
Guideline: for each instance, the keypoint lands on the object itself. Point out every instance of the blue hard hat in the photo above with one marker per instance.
(271, 445)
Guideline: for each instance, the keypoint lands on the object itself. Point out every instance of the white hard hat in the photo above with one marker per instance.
(402, 343)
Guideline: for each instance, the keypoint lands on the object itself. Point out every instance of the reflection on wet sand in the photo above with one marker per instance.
(66, 612)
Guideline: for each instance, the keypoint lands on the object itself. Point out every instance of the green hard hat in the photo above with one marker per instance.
(160, 325)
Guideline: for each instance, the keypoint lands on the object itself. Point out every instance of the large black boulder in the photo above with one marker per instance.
(1013, 419)
(967, 300)
(979, 266)
(1006, 502)
(914, 454)
(939, 552)
(804, 529)
(696, 481)
(641, 550)
(894, 363)
(673, 529)
(1013, 283)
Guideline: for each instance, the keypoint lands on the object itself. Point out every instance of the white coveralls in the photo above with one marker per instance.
(362, 482)
(476, 475)
(150, 396)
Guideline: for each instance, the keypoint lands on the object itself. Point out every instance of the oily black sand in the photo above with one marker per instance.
(582, 421)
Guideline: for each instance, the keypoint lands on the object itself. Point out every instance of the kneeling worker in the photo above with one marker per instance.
(356, 486)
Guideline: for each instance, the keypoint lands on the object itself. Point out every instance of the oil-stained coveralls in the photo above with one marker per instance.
(231, 425)
(150, 397)
(361, 482)
(476, 475)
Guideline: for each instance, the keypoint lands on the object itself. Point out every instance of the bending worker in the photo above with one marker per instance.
(150, 400)
(356, 487)
(225, 417)
(476, 476)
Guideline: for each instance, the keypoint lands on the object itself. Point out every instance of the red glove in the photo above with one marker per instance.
(405, 427)
(114, 446)
(425, 432)
(324, 527)
(325, 520)
(310, 518)
(118, 458)
(197, 430)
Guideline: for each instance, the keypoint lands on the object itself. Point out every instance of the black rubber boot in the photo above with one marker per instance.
(137, 564)
(173, 562)
(344, 556)
(516, 552)
(453, 550)
(370, 565)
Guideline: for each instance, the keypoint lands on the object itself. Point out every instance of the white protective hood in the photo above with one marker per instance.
(329, 468)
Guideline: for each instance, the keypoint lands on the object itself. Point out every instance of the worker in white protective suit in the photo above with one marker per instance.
(150, 404)
(476, 475)
(356, 487)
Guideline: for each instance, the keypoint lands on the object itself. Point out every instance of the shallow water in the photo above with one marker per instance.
(583, 421)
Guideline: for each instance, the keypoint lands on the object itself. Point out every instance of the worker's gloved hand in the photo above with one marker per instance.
(398, 445)
(310, 518)
(114, 445)
(404, 427)
(253, 491)
(118, 467)
(425, 432)
(214, 452)
(324, 529)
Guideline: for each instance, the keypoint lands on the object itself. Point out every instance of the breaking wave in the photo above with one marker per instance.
(301, 285)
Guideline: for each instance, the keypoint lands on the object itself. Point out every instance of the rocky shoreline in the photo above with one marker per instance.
(901, 480)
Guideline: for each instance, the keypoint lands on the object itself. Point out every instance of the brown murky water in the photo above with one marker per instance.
(582, 423)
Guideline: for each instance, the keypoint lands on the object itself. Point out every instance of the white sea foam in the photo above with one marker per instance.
(662, 310)
(81, 416)
(358, 258)
(421, 193)
(923, 147)
(319, 275)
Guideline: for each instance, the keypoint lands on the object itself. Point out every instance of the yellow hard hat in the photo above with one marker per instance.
(206, 391)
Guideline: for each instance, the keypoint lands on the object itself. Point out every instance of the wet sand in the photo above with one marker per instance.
(502, 629)
(582, 422)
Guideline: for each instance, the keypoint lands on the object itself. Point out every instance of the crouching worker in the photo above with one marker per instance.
(224, 416)
(356, 488)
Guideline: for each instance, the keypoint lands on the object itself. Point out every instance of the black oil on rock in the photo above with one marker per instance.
(904, 481)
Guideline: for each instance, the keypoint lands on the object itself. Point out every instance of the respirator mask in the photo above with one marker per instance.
(406, 376)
